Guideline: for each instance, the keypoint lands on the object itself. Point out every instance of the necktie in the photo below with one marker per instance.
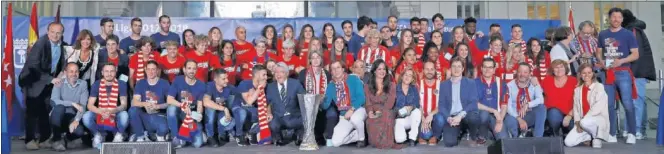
(282, 91)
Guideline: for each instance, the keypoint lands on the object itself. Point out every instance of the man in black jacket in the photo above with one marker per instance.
(42, 71)
(643, 69)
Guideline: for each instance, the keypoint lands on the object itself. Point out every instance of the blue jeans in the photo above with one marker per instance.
(174, 116)
(244, 118)
(555, 119)
(90, 121)
(623, 83)
(141, 121)
(212, 120)
(640, 113)
(488, 123)
(534, 118)
(437, 125)
(61, 119)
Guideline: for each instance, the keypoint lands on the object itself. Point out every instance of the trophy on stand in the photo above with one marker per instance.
(309, 104)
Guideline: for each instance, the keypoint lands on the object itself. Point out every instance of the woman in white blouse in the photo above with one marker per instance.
(84, 53)
(590, 111)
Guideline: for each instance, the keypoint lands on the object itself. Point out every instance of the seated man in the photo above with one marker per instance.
(347, 93)
(456, 102)
(432, 125)
(250, 93)
(525, 104)
(149, 104)
(217, 109)
(185, 97)
(69, 100)
(491, 92)
(108, 113)
(284, 107)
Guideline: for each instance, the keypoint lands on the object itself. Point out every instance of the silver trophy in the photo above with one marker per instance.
(309, 104)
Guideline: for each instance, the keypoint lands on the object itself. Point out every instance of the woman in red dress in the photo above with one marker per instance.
(228, 61)
(328, 36)
(216, 37)
(306, 33)
(538, 59)
(380, 98)
(406, 41)
(559, 96)
(338, 51)
(409, 61)
(187, 42)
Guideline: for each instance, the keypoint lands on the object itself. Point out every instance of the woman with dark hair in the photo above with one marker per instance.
(187, 42)
(85, 54)
(433, 55)
(287, 33)
(563, 36)
(437, 38)
(228, 62)
(409, 62)
(138, 61)
(252, 59)
(216, 37)
(306, 34)
(409, 115)
(338, 52)
(380, 96)
(406, 41)
(462, 51)
(328, 36)
(270, 34)
(539, 59)
(458, 36)
(386, 38)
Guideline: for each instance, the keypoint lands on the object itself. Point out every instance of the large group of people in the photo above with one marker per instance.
(384, 87)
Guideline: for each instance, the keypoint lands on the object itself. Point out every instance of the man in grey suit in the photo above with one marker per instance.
(41, 72)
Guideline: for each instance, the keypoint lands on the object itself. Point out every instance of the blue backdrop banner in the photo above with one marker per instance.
(531, 28)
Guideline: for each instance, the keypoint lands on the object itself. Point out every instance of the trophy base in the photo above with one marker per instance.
(308, 147)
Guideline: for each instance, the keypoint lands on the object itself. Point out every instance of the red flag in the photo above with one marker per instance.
(33, 32)
(570, 20)
(57, 14)
(8, 64)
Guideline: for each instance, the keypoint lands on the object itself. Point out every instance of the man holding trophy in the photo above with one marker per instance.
(147, 112)
(284, 113)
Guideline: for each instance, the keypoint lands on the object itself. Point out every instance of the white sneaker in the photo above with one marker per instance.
(639, 136)
(160, 138)
(624, 134)
(631, 139)
(597, 143)
(96, 141)
(133, 138)
(139, 139)
(118, 137)
(612, 139)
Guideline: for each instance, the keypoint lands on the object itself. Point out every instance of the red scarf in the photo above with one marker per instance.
(522, 98)
(589, 45)
(140, 73)
(584, 100)
(311, 83)
(539, 70)
(189, 128)
(611, 78)
(264, 135)
(420, 41)
(523, 45)
(108, 102)
(343, 95)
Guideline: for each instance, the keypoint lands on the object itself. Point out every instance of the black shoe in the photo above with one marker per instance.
(280, 143)
(298, 142)
(253, 140)
(361, 144)
(411, 143)
(223, 139)
(212, 142)
(241, 141)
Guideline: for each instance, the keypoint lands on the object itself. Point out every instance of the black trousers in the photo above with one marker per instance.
(36, 116)
(60, 120)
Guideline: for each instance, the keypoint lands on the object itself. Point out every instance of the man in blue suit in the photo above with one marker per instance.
(455, 107)
(284, 108)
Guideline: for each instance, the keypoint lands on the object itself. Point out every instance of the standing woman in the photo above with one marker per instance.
(380, 96)
(517, 37)
(372, 51)
(406, 41)
(287, 33)
(228, 62)
(559, 91)
(138, 61)
(496, 53)
(306, 33)
(458, 36)
(433, 55)
(462, 51)
(270, 34)
(338, 52)
(591, 115)
(187, 42)
(216, 37)
(538, 59)
(409, 116)
(112, 53)
(85, 54)
(327, 38)
(563, 36)
(437, 39)
(252, 59)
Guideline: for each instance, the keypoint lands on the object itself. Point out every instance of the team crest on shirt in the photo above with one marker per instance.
(172, 71)
(203, 65)
(151, 97)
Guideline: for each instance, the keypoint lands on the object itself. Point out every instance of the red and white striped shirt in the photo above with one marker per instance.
(420, 44)
(429, 96)
(369, 55)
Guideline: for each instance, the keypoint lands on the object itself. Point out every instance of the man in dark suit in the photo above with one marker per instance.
(284, 108)
(42, 70)
(457, 106)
